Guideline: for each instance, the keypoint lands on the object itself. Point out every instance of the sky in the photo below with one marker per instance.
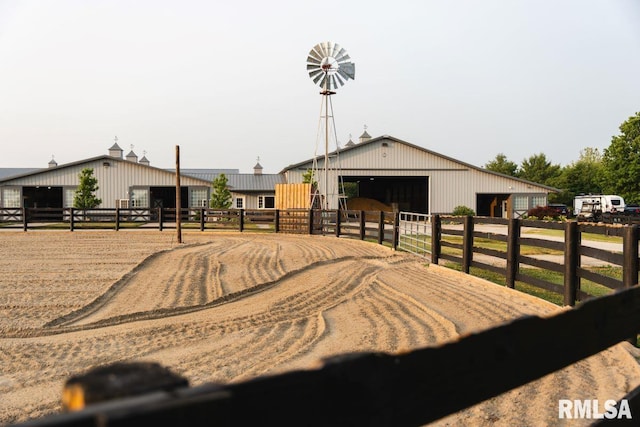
(227, 81)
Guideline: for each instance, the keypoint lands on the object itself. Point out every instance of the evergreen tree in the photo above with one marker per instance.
(84, 197)
(539, 170)
(501, 165)
(220, 194)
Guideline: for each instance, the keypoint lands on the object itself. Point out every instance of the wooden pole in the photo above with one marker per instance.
(571, 262)
(178, 198)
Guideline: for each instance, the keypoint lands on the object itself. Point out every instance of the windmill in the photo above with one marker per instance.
(329, 66)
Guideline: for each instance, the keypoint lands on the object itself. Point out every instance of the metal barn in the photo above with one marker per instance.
(411, 178)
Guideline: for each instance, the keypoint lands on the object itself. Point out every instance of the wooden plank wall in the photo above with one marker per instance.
(293, 196)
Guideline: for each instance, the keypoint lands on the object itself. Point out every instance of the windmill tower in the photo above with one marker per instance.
(328, 65)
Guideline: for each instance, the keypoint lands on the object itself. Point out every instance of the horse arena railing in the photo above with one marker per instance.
(416, 387)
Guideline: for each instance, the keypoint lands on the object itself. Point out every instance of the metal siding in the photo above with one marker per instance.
(114, 181)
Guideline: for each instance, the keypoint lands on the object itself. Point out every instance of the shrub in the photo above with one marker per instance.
(463, 211)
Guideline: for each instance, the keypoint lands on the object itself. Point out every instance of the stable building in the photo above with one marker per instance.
(129, 182)
(407, 177)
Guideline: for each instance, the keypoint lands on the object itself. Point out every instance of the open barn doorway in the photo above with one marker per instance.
(401, 193)
(493, 205)
(42, 197)
(165, 197)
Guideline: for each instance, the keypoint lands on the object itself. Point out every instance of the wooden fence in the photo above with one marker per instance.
(569, 250)
(424, 385)
(370, 225)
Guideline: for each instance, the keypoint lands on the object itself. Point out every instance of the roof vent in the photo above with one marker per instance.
(52, 163)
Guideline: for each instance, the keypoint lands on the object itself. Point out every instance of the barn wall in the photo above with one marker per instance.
(114, 181)
(451, 183)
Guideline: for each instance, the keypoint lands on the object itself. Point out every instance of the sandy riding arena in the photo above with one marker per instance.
(226, 307)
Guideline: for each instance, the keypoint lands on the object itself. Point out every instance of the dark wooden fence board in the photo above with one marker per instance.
(379, 389)
(543, 284)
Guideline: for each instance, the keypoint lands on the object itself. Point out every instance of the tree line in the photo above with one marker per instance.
(614, 171)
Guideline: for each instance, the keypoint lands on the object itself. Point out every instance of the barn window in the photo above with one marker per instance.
(140, 197)
(266, 202)
(538, 201)
(521, 203)
(239, 203)
(11, 197)
(69, 195)
(199, 198)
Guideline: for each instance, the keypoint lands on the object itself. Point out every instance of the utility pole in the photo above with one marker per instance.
(178, 198)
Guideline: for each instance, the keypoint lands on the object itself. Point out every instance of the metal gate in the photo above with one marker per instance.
(414, 233)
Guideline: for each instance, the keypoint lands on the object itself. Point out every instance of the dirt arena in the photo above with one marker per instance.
(70, 301)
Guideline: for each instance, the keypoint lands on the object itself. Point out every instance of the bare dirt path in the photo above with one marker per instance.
(225, 307)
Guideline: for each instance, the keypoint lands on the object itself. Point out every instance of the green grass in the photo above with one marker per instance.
(587, 286)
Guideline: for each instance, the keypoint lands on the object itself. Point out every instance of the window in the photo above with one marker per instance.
(266, 202)
(199, 198)
(239, 203)
(538, 201)
(139, 197)
(521, 203)
(11, 197)
(69, 195)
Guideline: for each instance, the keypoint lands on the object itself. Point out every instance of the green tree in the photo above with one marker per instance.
(621, 162)
(220, 194)
(539, 170)
(308, 178)
(501, 165)
(581, 176)
(84, 197)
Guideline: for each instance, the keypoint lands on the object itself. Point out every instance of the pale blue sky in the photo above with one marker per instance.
(227, 81)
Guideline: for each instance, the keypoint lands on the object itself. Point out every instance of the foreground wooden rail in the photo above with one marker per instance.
(379, 389)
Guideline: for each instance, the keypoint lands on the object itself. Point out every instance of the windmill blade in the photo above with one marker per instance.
(314, 57)
(312, 60)
(314, 73)
(324, 48)
(340, 56)
(334, 50)
(338, 79)
(318, 77)
(335, 79)
(313, 67)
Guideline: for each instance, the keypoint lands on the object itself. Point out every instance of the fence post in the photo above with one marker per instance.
(436, 232)
(381, 228)
(276, 221)
(396, 230)
(202, 219)
(571, 262)
(630, 251)
(241, 220)
(25, 220)
(310, 221)
(362, 225)
(513, 251)
(338, 215)
(467, 243)
(630, 263)
(117, 226)
(71, 219)
(160, 213)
